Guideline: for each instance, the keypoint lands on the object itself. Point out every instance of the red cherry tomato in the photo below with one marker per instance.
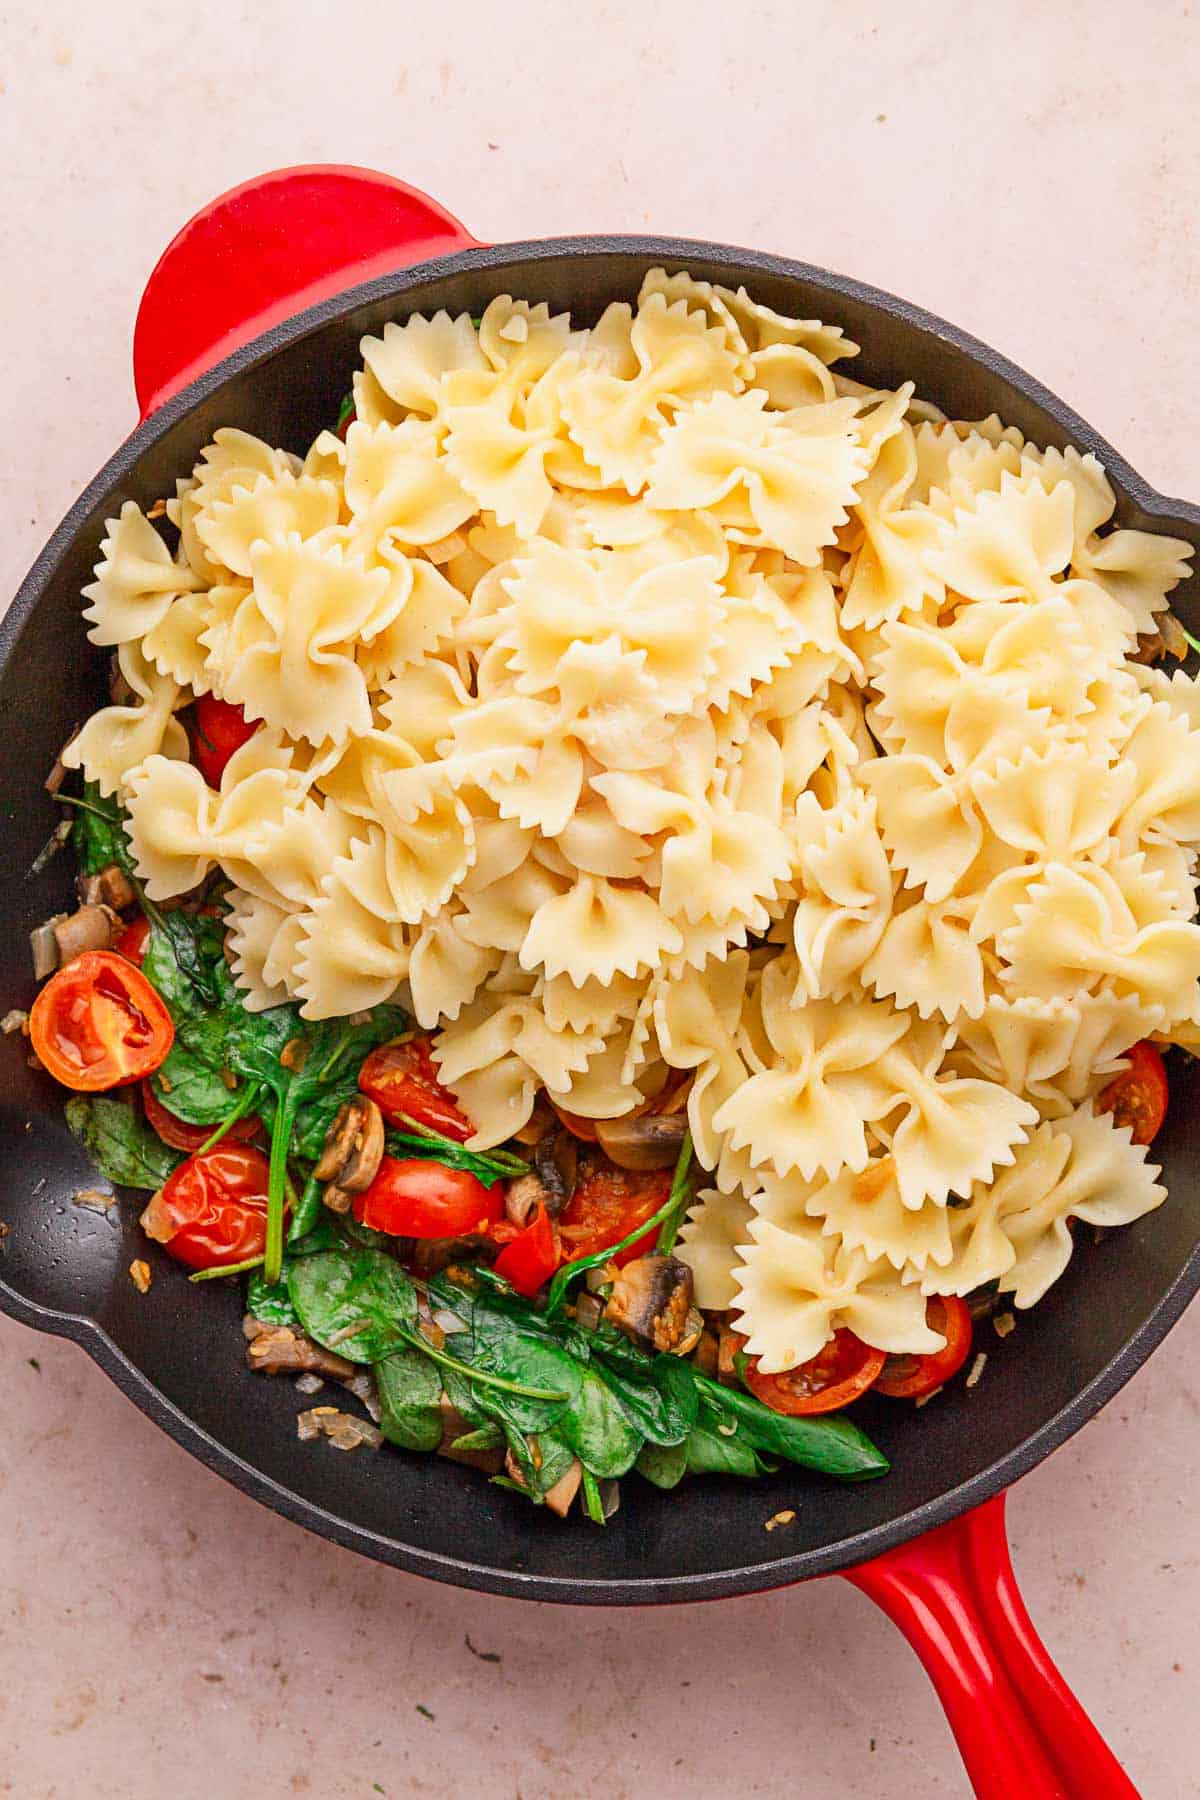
(837, 1375)
(218, 729)
(98, 1024)
(911, 1377)
(346, 423)
(1138, 1096)
(182, 1136)
(531, 1258)
(133, 940)
(607, 1204)
(421, 1199)
(402, 1081)
(212, 1211)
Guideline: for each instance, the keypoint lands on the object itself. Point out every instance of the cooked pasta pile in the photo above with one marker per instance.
(652, 698)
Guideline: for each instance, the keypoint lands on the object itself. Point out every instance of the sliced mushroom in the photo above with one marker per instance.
(651, 1302)
(352, 1152)
(43, 945)
(281, 1350)
(550, 1182)
(431, 1255)
(111, 887)
(649, 1140)
(556, 1163)
(541, 1120)
(454, 1426)
(559, 1497)
(91, 928)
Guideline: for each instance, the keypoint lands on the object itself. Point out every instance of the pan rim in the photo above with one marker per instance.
(90, 1334)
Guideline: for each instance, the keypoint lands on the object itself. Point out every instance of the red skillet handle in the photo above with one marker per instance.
(268, 249)
(1020, 1730)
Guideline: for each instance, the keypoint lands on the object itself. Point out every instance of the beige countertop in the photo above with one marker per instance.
(1030, 173)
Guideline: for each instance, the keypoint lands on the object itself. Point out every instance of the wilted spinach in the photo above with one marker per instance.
(120, 1142)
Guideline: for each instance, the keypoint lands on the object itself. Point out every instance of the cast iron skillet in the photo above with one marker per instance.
(253, 318)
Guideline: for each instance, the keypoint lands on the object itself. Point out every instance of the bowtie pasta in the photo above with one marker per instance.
(654, 697)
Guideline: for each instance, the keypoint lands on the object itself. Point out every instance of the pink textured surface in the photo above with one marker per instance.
(1030, 174)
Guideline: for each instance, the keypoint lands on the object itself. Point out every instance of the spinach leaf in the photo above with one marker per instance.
(660, 1402)
(98, 831)
(709, 1452)
(357, 1302)
(191, 1090)
(664, 1465)
(119, 1141)
(270, 1301)
(308, 1212)
(527, 1360)
(832, 1444)
(410, 1389)
(597, 1430)
(543, 1459)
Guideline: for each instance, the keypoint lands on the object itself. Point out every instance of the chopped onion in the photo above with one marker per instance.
(44, 945)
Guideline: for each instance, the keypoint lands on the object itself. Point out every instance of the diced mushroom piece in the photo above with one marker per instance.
(650, 1140)
(91, 928)
(431, 1255)
(111, 887)
(43, 945)
(651, 1302)
(556, 1164)
(352, 1152)
(550, 1182)
(282, 1350)
(454, 1426)
(559, 1497)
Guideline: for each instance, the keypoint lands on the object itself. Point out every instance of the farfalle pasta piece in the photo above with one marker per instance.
(1052, 802)
(399, 487)
(262, 940)
(927, 820)
(955, 1130)
(270, 506)
(681, 359)
(890, 572)
(498, 1053)
(445, 970)
(866, 1213)
(1165, 754)
(179, 827)
(808, 1112)
(347, 958)
(1010, 544)
(115, 742)
(1067, 941)
(845, 900)
(136, 580)
(596, 930)
(408, 363)
(709, 1238)
(927, 958)
(174, 645)
(311, 600)
(796, 1288)
(696, 1020)
(791, 476)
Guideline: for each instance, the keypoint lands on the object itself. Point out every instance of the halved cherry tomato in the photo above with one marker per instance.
(218, 729)
(531, 1258)
(98, 1024)
(912, 1377)
(420, 1199)
(609, 1203)
(837, 1375)
(1138, 1096)
(212, 1211)
(402, 1081)
(182, 1136)
(133, 940)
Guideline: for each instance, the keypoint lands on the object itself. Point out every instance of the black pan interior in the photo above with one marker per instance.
(177, 1352)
